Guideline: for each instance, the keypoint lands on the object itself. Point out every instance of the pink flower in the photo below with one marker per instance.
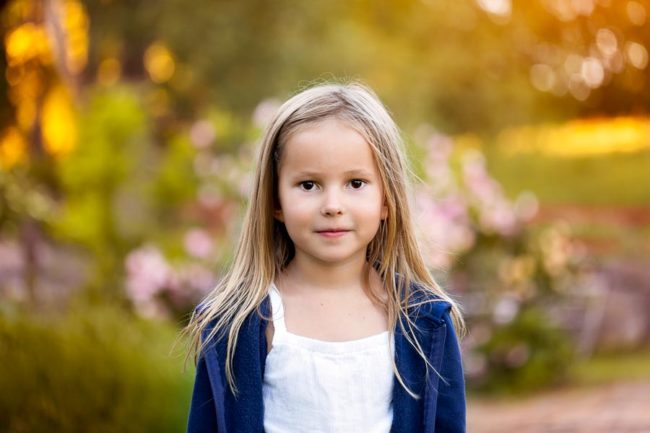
(198, 243)
(202, 134)
(148, 273)
(265, 111)
(445, 228)
(500, 218)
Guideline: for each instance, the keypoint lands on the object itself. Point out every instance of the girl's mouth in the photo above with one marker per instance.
(334, 233)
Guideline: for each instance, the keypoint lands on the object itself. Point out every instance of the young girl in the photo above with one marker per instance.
(328, 320)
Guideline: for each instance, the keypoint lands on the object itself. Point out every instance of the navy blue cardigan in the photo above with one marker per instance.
(440, 408)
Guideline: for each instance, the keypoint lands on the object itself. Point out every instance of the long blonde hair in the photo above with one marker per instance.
(265, 249)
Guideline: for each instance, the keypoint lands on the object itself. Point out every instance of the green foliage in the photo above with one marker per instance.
(614, 179)
(175, 180)
(445, 62)
(526, 354)
(110, 149)
(604, 368)
(119, 186)
(94, 370)
(514, 346)
(102, 181)
(21, 197)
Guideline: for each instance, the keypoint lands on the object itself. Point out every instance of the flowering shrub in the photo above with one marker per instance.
(158, 289)
(159, 286)
(504, 272)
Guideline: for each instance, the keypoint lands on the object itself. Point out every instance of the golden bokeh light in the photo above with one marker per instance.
(75, 22)
(636, 13)
(59, 122)
(580, 138)
(27, 42)
(32, 44)
(636, 54)
(13, 147)
(159, 63)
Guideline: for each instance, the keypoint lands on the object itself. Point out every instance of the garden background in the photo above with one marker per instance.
(127, 135)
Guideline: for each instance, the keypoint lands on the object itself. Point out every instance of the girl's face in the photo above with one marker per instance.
(330, 191)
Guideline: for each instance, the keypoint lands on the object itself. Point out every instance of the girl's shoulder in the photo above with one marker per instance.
(259, 315)
(425, 304)
(199, 311)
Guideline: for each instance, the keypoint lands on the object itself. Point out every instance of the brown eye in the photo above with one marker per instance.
(357, 183)
(307, 185)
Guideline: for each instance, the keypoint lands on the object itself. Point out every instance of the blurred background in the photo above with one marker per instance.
(127, 136)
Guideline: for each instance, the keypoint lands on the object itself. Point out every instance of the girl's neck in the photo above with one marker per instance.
(313, 276)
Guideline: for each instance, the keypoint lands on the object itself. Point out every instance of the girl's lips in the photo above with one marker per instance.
(332, 233)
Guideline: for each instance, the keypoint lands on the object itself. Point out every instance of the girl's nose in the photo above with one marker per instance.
(332, 205)
(331, 211)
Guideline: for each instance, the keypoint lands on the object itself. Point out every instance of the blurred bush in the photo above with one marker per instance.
(96, 369)
(105, 207)
(504, 272)
(526, 354)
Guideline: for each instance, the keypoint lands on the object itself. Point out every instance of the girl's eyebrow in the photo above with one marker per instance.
(360, 172)
(356, 172)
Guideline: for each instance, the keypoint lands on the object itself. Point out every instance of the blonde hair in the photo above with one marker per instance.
(265, 249)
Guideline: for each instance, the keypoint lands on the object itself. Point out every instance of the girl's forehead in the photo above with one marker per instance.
(327, 122)
(330, 143)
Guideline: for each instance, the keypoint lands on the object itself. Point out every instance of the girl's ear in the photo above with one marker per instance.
(384, 210)
(278, 215)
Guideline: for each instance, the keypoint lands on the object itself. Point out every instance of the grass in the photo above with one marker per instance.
(599, 370)
(608, 368)
(605, 240)
(612, 180)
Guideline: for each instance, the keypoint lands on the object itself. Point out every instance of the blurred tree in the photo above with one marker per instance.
(44, 48)
(94, 180)
(464, 64)
(470, 65)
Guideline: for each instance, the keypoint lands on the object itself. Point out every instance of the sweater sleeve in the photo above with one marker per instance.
(202, 417)
(450, 411)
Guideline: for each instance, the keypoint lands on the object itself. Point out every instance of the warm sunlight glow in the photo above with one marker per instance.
(75, 22)
(25, 43)
(581, 138)
(13, 147)
(159, 62)
(59, 126)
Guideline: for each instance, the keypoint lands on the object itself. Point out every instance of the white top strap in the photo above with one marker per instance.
(278, 310)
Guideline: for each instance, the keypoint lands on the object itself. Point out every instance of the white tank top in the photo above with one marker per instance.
(314, 386)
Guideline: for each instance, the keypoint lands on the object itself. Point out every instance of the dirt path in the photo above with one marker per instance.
(612, 408)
